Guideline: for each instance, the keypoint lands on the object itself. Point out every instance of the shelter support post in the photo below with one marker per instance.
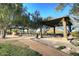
(69, 28)
(65, 28)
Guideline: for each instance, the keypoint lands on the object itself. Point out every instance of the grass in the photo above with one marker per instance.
(75, 34)
(12, 50)
(61, 47)
(57, 32)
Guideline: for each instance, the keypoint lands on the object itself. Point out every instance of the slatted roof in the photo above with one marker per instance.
(56, 22)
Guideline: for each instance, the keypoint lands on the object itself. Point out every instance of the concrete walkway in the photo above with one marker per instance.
(43, 49)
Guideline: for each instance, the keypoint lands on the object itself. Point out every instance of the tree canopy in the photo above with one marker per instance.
(74, 8)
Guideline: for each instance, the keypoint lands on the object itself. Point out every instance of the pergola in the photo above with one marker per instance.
(15, 27)
(63, 21)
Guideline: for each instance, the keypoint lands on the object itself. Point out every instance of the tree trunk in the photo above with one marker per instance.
(41, 32)
(23, 31)
(10, 30)
(27, 31)
(3, 33)
(54, 31)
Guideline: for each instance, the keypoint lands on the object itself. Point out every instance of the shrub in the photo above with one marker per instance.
(74, 54)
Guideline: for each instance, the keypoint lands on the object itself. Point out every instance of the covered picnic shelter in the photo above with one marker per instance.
(63, 21)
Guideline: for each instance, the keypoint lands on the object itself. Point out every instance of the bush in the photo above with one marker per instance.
(14, 30)
(74, 54)
(61, 47)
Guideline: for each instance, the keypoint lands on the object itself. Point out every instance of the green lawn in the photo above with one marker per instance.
(12, 50)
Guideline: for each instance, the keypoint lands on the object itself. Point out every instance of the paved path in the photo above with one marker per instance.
(37, 46)
(43, 49)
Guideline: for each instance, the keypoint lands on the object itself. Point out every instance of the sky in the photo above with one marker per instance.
(47, 9)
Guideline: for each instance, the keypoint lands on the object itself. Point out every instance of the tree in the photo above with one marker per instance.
(49, 18)
(74, 8)
(6, 13)
(10, 14)
(21, 17)
(36, 21)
